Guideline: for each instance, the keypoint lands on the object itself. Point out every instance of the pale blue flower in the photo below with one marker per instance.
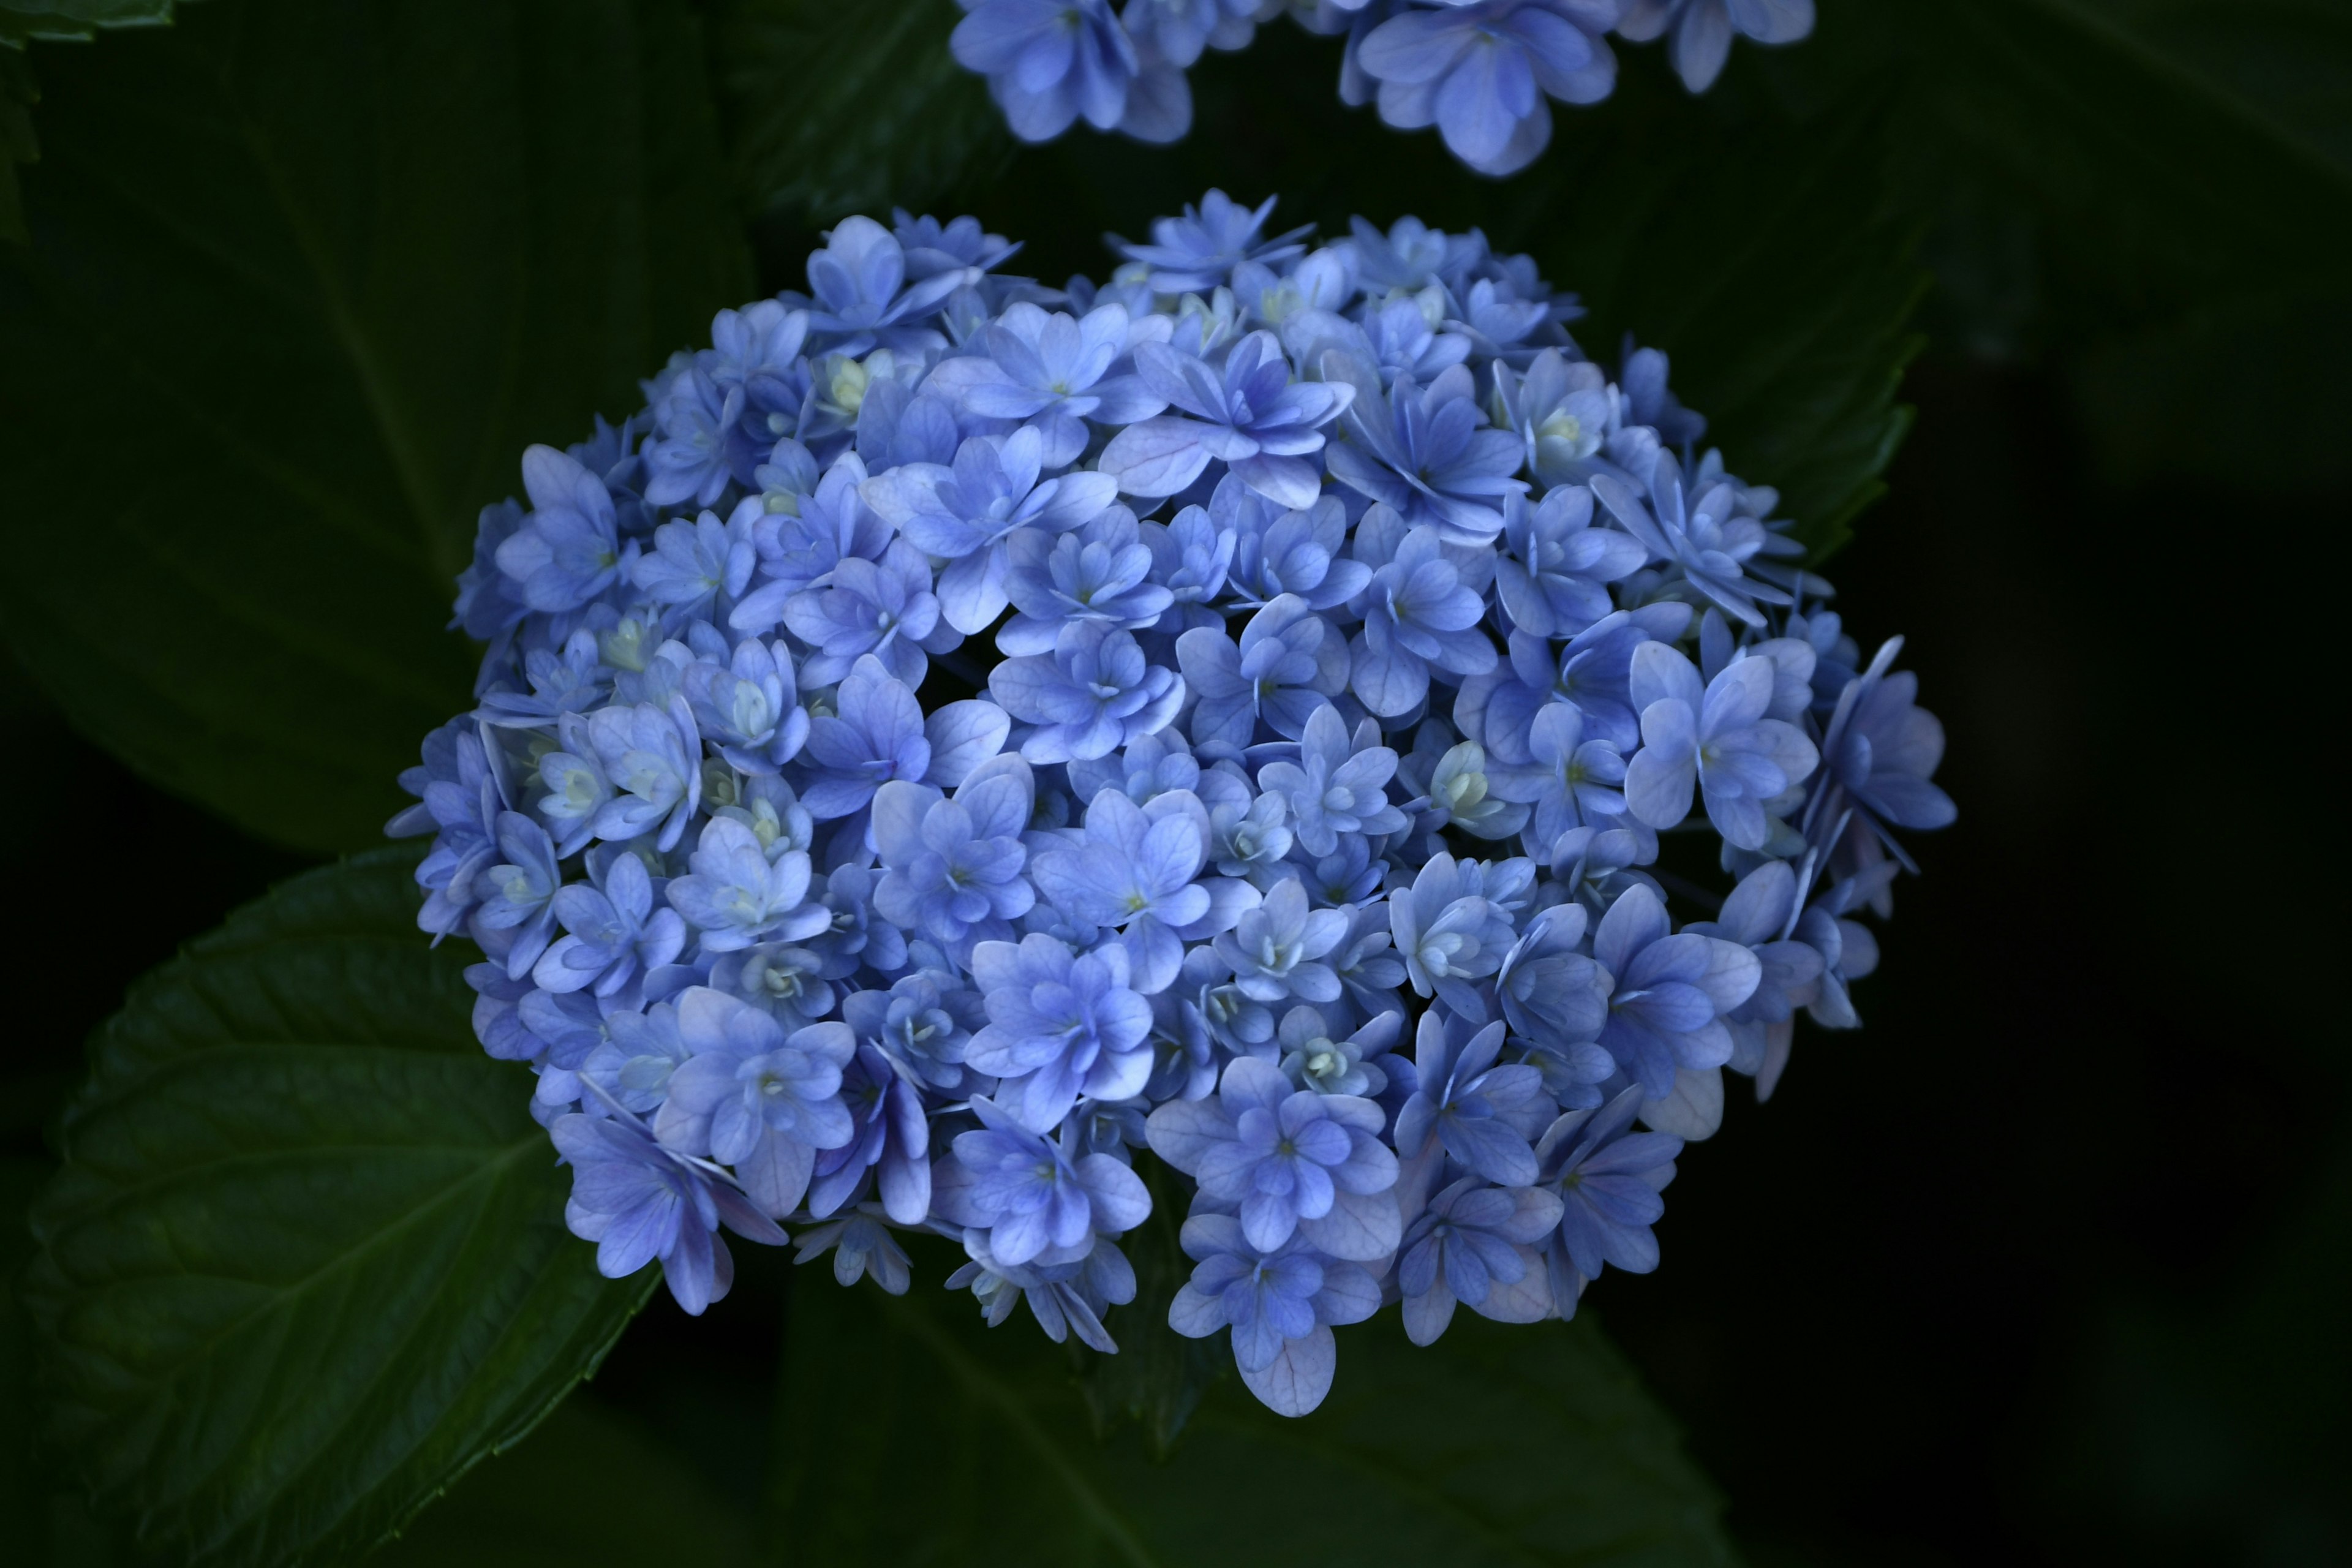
(1426, 451)
(736, 895)
(1552, 578)
(1570, 781)
(1336, 785)
(1671, 993)
(1609, 1179)
(568, 549)
(1289, 664)
(1480, 72)
(1702, 30)
(1277, 551)
(613, 932)
(955, 869)
(892, 1142)
(1312, 1058)
(755, 1098)
(1196, 252)
(1280, 1306)
(638, 1202)
(1054, 372)
(1099, 572)
(1094, 694)
(1137, 869)
(1250, 415)
(857, 280)
(1715, 740)
(965, 515)
(1707, 539)
(1480, 1113)
(872, 609)
(1419, 615)
(519, 899)
(1049, 61)
(1059, 1024)
(876, 736)
(1472, 1245)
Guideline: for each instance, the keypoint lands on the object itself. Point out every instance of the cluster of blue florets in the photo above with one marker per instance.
(966, 736)
(1482, 71)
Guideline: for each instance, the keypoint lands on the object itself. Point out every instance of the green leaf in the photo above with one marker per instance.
(834, 109)
(19, 93)
(23, 1499)
(533, 1505)
(1502, 1445)
(336, 264)
(305, 1261)
(2091, 165)
(70, 20)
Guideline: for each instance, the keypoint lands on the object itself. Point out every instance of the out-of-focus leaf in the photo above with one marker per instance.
(1520, 1445)
(19, 93)
(305, 1261)
(335, 262)
(534, 1505)
(66, 20)
(23, 1502)
(837, 107)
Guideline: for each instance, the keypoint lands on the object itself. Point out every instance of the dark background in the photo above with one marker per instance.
(2049, 1262)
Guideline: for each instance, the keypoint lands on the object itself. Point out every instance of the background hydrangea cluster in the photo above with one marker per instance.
(1479, 71)
(964, 735)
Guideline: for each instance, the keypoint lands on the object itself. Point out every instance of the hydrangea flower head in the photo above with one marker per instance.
(1484, 72)
(949, 759)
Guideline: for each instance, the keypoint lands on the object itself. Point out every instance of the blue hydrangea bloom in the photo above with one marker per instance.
(1350, 696)
(1059, 1024)
(1483, 71)
(637, 1201)
(1608, 1178)
(1336, 785)
(1471, 1245)
(954, 869)
(1427, 452)
(1718, 739)
(1198, 251)
(755, 1098)
(1289, 662)
(1253, 416)
(1701, 30)
(1287, 1159)
(967, 515)
(1476, 1110)
(1035, 1202)
(1050, 61)
(1094, 694)
(1280, 1306)
(1667, 1008)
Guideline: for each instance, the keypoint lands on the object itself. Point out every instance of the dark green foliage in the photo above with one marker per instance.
(835, 109)
(1500, 1444)
(19, 93)
(334, 265)
(527, 1507)
(305, 1261)
(74, 20)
